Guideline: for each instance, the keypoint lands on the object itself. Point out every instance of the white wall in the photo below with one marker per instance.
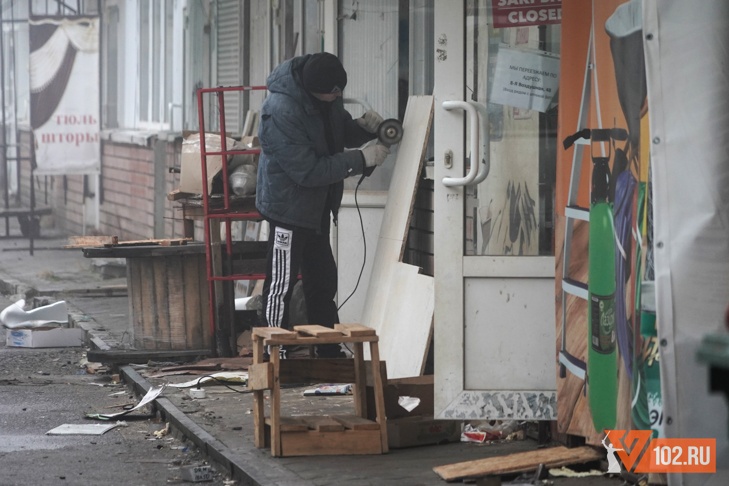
(349, 250)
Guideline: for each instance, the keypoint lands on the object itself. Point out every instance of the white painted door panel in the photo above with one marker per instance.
(505, 333)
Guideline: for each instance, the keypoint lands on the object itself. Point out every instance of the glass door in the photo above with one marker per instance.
(496, 80)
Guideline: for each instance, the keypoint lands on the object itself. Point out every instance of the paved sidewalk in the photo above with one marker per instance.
(51, 270)
(221, 425)
(95, 290)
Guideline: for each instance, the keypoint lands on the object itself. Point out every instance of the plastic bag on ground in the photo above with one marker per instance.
(15, 316)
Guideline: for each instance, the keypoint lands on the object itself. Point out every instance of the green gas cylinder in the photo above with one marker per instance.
(602, 358)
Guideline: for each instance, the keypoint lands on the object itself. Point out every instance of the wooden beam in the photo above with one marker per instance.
(114, 356)
(113, 241)
(84, 241)
(518, 463)
(317, 331)
(260, 376)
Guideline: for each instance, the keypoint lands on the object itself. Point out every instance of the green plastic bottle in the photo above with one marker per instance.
(642, 348)
(651, 359)
(602, 357)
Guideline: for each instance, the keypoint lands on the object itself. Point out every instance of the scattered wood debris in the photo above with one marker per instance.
(113, 241)
(203, 367)
(235, 363)
(518, 463)
(117, 357)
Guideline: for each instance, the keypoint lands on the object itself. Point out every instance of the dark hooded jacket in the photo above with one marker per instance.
(300, 173)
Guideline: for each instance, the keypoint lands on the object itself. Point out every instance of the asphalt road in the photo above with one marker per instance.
(41, 389)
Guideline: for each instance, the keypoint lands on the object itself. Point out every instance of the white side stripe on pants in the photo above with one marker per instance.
(280, 278)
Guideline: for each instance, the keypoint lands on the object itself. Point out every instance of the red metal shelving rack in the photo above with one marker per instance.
(227, 214)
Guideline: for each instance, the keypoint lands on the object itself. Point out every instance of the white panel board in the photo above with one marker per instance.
(688, 120)
(510, 334)
(405, 333)
(396, 300)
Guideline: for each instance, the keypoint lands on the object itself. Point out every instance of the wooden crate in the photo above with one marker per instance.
(168, 301)
(327, 435)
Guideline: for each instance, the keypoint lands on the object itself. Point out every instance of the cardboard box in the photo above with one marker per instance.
(196, 474)
(191, 161)
(418, 387)
(421, 430)
(59, 337)
(417, 427)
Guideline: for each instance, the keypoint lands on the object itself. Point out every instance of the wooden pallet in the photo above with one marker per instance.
(113, 241)
(316, 435)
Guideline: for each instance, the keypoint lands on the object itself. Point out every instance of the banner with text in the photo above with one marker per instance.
(64, 94)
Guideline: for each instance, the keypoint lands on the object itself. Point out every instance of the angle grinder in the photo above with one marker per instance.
(390, 132)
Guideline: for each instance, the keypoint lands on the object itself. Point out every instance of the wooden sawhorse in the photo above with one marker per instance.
(317, 435)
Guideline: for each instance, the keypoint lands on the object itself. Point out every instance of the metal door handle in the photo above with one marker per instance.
(473, 126)
(484, 159)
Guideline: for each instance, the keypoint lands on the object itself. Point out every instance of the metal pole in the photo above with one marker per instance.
(6, 190)
(16, 135)
(31, 218)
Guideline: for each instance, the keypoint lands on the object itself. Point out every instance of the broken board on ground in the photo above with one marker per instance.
(519, 462)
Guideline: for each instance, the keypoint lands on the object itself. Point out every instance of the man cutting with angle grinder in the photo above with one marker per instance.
(304, 130)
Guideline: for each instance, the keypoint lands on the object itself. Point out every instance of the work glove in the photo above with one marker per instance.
(370, 121)
(375, 155)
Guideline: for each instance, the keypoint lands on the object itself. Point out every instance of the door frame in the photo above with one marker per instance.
(452, 268)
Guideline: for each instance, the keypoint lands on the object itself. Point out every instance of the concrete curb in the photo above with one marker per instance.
(13, 287)
(246, 464)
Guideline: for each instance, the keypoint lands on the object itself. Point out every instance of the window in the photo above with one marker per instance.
(143, 49)
(155, 62)
(110, 60)
(511, 211)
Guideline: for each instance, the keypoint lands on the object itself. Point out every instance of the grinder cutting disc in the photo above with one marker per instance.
(390, 131)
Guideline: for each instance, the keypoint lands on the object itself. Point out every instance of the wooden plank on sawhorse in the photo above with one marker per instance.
(268, 332)
(317, 331)
(325, 435)
(354, 330)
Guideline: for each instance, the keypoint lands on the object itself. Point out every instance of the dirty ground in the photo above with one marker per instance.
(224, 416)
